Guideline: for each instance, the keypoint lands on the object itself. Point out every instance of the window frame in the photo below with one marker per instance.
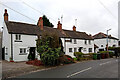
(70, 50)
(75, 49)
(17, 37)
(85, 42)
(75, 41)
(22, 51)
(90, 42)
(90, 50)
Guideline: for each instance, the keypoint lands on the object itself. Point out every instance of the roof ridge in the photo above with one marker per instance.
(21, 23)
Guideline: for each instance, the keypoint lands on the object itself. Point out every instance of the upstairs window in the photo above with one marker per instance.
(85, 41)
(75, 41)
(90, 42)
(18, 37)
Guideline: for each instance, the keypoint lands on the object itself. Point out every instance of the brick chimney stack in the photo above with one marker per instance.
(74, 28)
(40, 23)
(59, 25)
(5, 15)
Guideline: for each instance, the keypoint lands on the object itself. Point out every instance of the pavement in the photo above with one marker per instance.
(104, 68)
(12, 69)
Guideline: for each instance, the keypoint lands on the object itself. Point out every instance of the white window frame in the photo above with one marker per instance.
(17, 37)
(75, 41)
(90, 42)
(6, 51)
(70, 50)
(85, 42)
(89, 50)
(75, 49)
(22, 51)
(84, 49)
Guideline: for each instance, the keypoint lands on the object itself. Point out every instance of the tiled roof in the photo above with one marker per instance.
(22, 28)
(102, 35)
(30, 29)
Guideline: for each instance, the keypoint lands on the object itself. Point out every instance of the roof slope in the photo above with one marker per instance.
(102, 35)
(22, 28)
(30, 29)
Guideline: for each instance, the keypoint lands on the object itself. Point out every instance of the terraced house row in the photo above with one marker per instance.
(19, 39)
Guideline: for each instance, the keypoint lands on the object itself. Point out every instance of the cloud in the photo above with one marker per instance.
(91, 16)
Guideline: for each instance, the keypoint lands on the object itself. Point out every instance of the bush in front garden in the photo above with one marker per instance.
(65, 59)
(35, 62)
(104, 54)
(111, 54)
(78, 55)
(50, 57)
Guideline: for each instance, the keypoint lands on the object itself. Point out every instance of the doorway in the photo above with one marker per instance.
(3, 53)
(32, 52)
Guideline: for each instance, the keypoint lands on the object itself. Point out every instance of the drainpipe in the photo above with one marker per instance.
(64, 45)
(11, 47)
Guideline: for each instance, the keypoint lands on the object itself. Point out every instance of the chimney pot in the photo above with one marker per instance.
(59, 25)
(40, 23)
(74, 28)
(5, 15)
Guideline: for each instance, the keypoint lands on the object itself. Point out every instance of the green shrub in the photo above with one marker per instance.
(29, 57)
(75, 59)
(50, 57)
(66, 59)
(78, 55)
(111, 54)
(104, 52)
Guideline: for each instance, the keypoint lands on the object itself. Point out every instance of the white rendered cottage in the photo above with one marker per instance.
(19, 39)
(100, 40)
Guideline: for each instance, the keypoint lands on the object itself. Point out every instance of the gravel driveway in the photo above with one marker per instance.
(12, 69)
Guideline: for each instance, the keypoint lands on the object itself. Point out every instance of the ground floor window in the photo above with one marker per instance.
(6, 52)
(90, 49)
(70, 49)
(84, 49)
(22, 50)
(75, 49)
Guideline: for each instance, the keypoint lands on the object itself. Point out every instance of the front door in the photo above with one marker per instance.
(80, 48)
(32, 52)
(3, 53)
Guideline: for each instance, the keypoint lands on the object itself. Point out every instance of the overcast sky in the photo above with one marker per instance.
(92, 16)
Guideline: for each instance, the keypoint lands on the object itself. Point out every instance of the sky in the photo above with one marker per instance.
(93, 16)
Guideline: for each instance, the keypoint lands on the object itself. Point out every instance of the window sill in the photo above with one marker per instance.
(23, 54)
(17, 41)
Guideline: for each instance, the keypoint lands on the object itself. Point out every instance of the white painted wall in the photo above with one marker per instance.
(103, 42)
(6, 41)
(80, 43)
(27, 42)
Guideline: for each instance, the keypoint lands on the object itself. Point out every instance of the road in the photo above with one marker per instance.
(104, 68)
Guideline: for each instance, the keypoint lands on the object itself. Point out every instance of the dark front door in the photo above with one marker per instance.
(32, 52)
(3, 53)
(80, 48)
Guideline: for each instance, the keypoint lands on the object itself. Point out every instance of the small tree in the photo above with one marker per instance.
(46, 22)
(49, 48)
